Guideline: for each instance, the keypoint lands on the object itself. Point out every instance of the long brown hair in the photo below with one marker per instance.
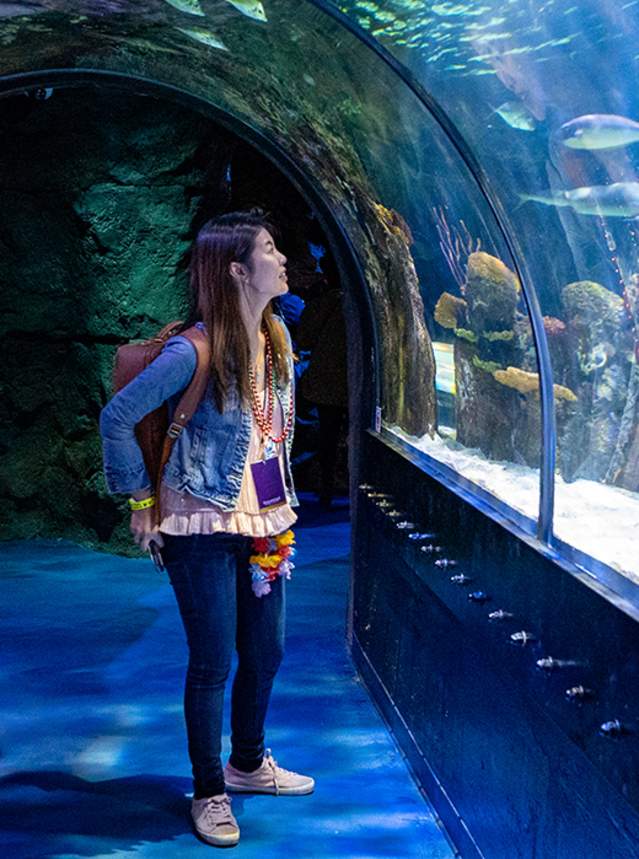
(221, 241)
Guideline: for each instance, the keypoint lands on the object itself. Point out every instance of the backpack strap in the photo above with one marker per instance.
(187, 405)
(191, 397)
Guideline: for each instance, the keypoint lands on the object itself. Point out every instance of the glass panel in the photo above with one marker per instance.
(453, 328)
(544, 96)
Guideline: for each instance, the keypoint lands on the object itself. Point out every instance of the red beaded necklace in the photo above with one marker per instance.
(265, 421)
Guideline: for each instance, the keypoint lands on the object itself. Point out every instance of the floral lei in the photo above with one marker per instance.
(271, 559)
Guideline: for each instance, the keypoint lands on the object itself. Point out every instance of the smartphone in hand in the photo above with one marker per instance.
(156, 556)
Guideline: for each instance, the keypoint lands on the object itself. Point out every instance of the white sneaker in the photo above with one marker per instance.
(214, 821)
(268, 778)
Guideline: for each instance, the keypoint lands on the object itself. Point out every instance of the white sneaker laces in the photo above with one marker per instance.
(217, 811)
(275, 770)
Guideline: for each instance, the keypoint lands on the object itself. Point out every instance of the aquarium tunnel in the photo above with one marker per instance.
(473, 171)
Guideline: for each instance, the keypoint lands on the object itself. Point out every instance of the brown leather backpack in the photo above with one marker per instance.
(155, 433)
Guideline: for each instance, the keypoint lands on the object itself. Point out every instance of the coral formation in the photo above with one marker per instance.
(520, 380)
(526, 383)
(591, 307)
(496, 336)
(554, 327)
(449, 309)
(486, 366)
(492, 292)
(456, 245)
(466, 334)
(393, 221)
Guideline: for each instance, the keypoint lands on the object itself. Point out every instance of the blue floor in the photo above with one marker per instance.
(93, 752)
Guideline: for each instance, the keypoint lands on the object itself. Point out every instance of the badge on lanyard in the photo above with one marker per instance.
(269, 486)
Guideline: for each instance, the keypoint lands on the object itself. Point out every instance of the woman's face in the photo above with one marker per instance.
(267, 267)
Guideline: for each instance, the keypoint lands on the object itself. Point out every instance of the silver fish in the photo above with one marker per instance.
(578, 693)
(205, 37)
(251, 8)
(599, 131)
(549, 663)
(617, 200)
(516, 115)
(500, 614)
(461, 579)
(191, 7)
(522, 637)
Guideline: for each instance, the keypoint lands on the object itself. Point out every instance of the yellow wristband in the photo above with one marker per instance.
(143, 504)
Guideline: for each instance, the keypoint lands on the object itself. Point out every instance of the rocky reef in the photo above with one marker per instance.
(601, 358)
(497, 406)
(593, 351)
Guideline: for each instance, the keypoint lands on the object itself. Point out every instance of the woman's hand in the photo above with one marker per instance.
(143, 529)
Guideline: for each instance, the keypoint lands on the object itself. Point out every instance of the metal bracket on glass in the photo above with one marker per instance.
(443, 563)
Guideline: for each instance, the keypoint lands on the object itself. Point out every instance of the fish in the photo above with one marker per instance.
(205, 37)
(461, 579)
(522, 637)
(599, 131)
(500, 614)
(251, 8)
(191, 7)
(422, 535)
(578, 693)
(549, 663)
(617, 200)
(516, 115)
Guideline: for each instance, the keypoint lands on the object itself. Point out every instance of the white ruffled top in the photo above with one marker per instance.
(183, 513)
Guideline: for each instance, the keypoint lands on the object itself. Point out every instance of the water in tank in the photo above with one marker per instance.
(543, 96)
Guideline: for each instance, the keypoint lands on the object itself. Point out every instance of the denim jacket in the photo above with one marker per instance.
(209, 456)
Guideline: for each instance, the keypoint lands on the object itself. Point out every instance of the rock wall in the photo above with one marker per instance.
(100, 194)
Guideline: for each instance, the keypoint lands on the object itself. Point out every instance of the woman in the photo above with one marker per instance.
(226, 489)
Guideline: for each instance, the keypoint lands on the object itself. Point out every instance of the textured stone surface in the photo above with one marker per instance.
(102, 195)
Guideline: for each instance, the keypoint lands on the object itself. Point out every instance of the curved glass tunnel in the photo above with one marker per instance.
(473, 170)
(456, 189)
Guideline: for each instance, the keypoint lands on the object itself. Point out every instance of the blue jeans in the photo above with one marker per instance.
(210, 576)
